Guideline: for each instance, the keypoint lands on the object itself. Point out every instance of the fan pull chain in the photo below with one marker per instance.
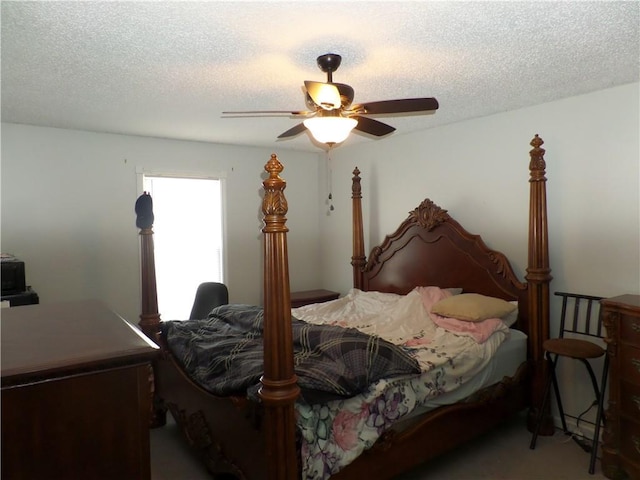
(329, 181)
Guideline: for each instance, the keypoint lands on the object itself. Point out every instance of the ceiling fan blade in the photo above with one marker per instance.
(250, 113)
(325, 95)
(292, 132)
(372, 127)
(405, 105)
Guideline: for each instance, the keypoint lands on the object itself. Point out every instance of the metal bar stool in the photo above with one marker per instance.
(583, 324)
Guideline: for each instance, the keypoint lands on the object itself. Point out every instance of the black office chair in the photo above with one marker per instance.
(208, 296)
(582, 325)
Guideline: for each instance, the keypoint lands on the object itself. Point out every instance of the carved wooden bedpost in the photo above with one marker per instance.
(149, 317)
(538, 277)
(279, 388)
(358, 259)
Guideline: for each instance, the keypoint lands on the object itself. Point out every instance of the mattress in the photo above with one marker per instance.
(505, 362)
(509, 356)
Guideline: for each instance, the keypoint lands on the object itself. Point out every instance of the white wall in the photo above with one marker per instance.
(68, 211)
(478, 171)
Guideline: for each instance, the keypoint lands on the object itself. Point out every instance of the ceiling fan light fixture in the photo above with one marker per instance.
(330, 129)
(332, 115)
(325, 95)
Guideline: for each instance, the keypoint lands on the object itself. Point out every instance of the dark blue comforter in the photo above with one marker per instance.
(224, 353)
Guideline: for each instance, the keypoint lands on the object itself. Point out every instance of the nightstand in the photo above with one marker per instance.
(299, 299)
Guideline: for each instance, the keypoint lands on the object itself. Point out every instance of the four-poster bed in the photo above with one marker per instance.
(257, 438)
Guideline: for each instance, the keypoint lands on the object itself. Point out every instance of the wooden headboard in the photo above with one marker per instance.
(431, 248)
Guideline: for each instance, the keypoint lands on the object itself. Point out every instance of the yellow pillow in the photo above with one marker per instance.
(473, 307)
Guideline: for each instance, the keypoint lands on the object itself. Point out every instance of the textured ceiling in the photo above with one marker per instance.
(168, 69)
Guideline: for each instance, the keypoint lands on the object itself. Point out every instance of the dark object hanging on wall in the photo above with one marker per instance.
(144, 211)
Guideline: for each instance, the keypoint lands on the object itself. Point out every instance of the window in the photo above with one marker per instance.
(188, 239)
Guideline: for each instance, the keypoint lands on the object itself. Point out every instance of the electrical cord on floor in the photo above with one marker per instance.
(580, 439)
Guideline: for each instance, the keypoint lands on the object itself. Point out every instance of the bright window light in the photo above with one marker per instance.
(188, 239)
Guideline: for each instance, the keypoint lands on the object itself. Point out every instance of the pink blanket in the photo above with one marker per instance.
(480, 331)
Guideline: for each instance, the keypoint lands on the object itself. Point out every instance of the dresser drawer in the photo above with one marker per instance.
(630, 329)
(630, 399)
(630, 363)
(621, 444)
(630, 440)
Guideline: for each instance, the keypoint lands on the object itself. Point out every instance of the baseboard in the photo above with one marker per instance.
(584, 429)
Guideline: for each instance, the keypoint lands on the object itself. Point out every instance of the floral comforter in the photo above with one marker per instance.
(335, 433)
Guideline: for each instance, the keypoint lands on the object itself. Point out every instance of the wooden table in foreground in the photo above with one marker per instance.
(75, 393)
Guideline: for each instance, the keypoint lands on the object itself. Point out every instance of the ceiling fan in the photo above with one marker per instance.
(332, 115)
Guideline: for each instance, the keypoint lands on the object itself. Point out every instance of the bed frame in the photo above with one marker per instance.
(256, 441)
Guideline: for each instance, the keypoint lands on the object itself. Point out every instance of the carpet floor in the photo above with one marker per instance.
(502, 454)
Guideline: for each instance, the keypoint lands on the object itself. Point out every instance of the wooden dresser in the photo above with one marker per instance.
(621, 438)
(75, 393)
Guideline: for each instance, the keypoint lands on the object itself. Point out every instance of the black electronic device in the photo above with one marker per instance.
(13, 276)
